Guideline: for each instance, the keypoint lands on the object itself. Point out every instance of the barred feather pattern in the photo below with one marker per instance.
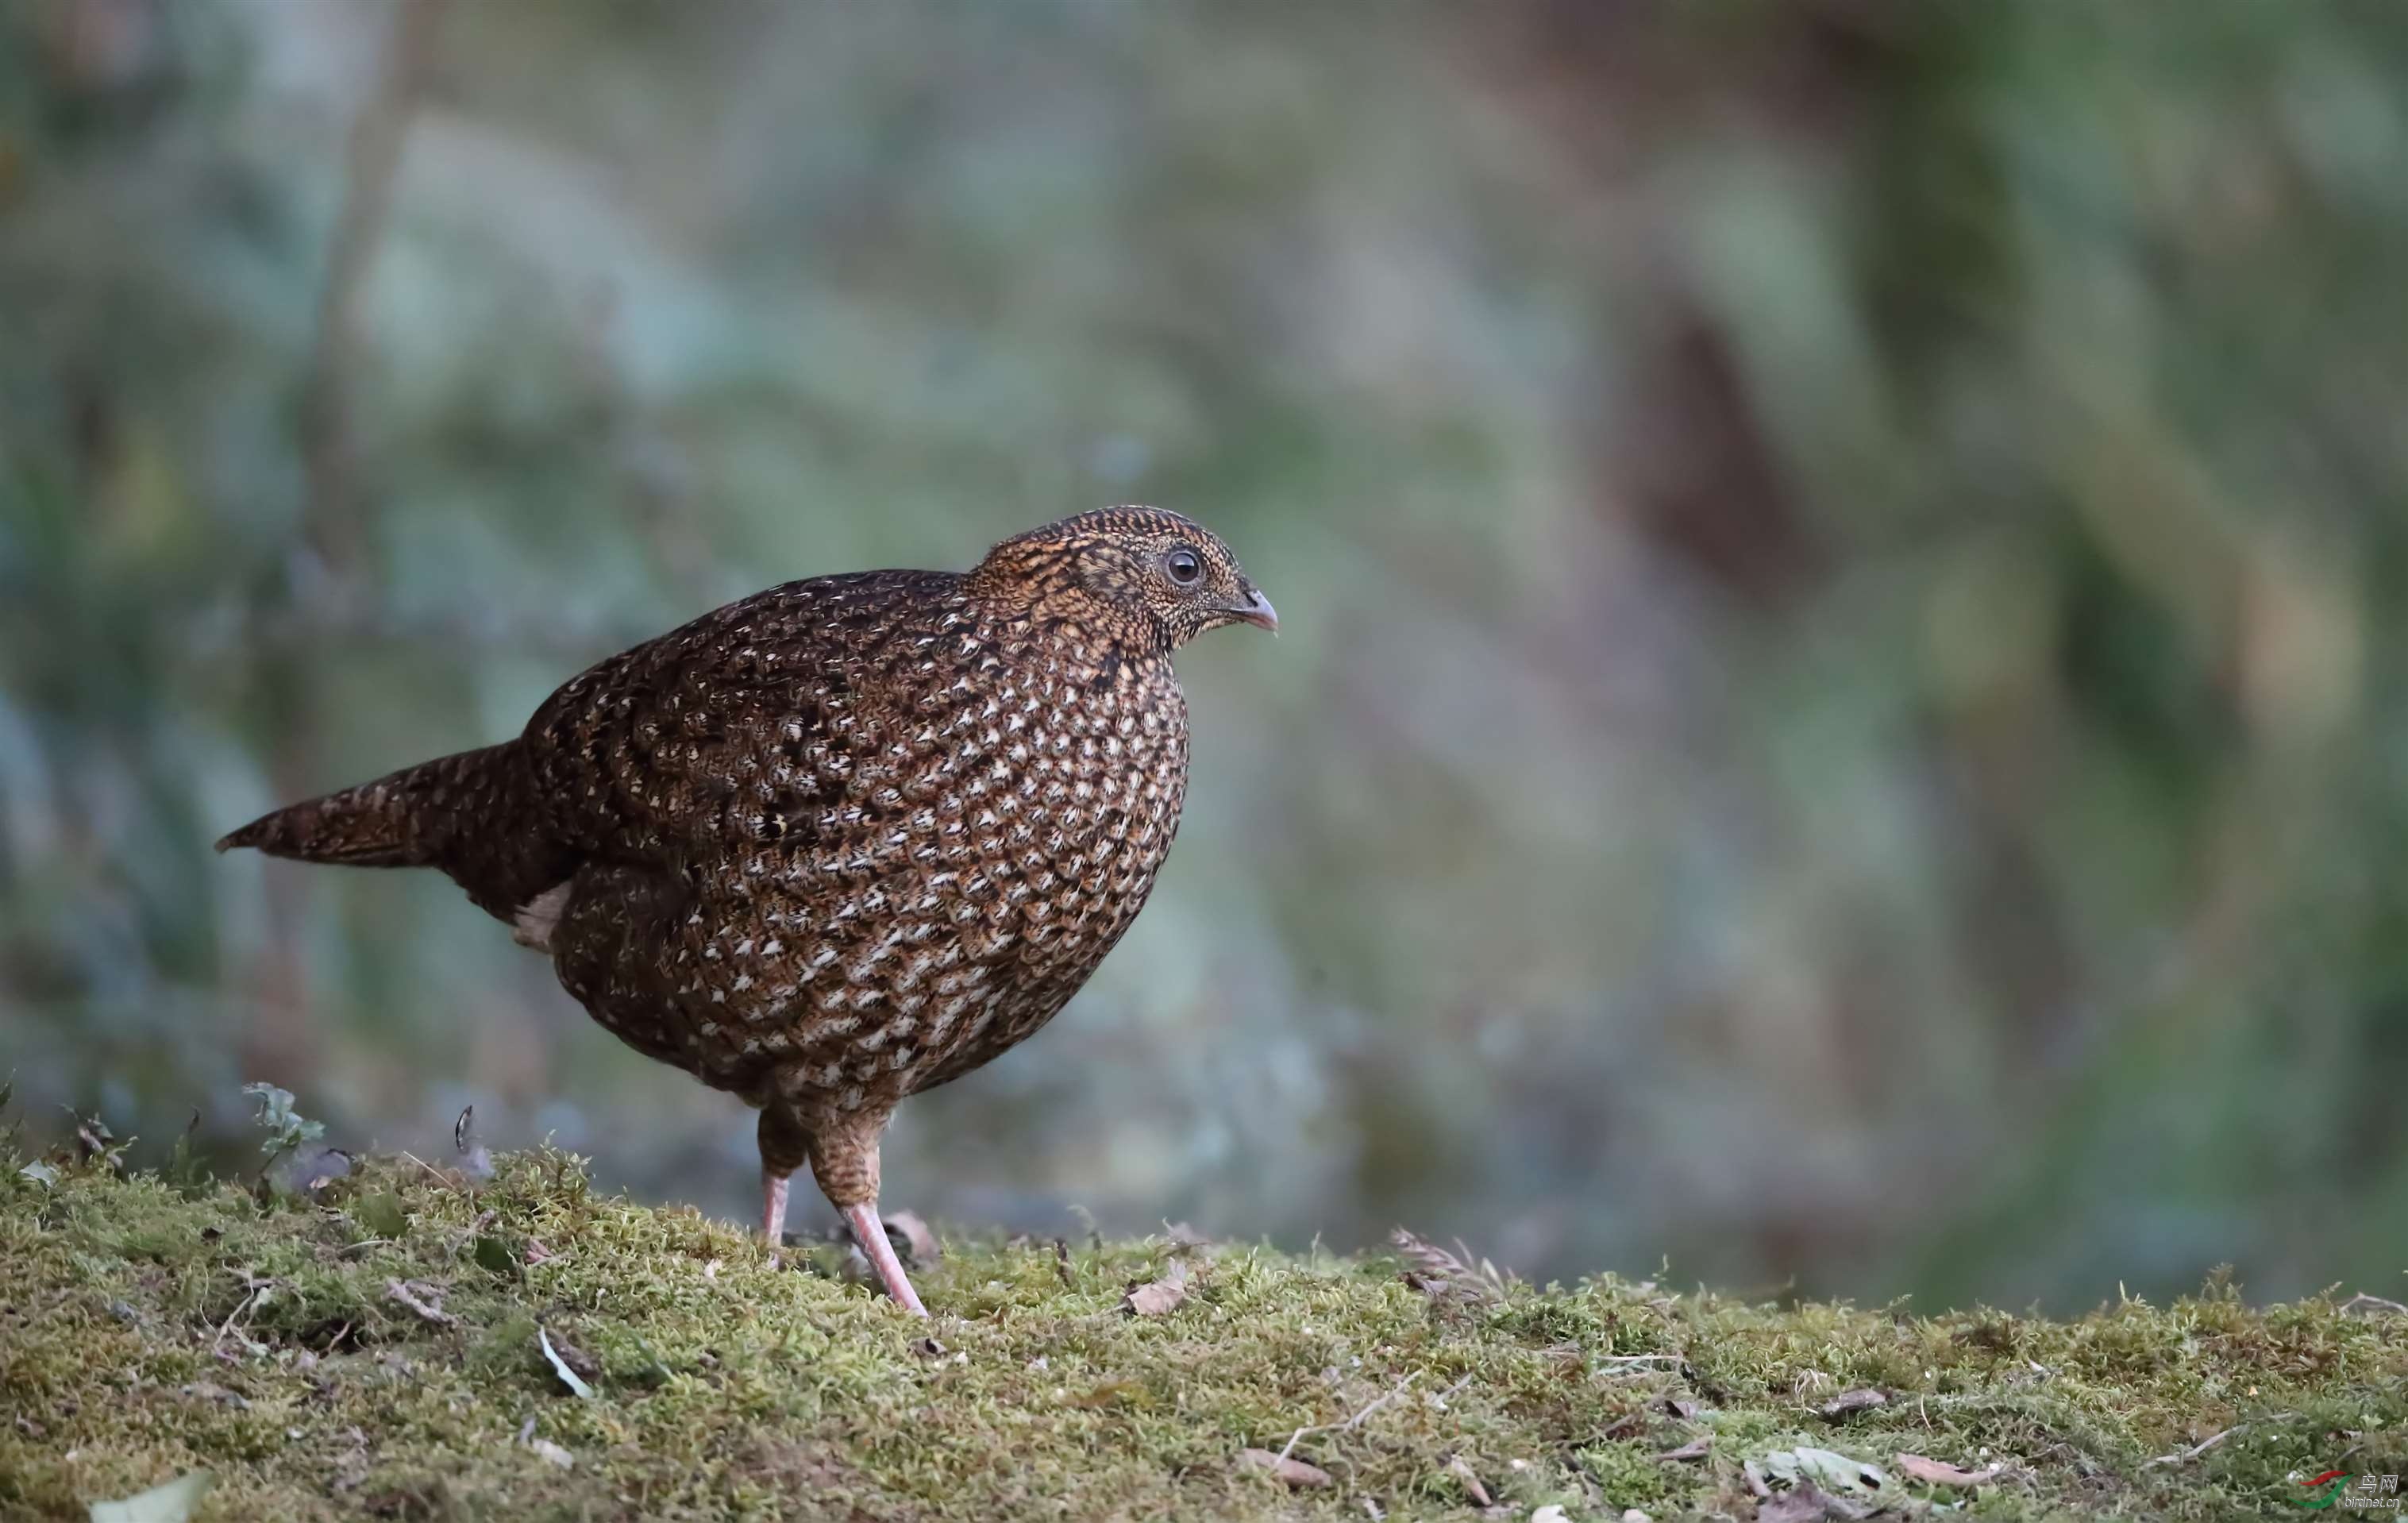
(898, 857)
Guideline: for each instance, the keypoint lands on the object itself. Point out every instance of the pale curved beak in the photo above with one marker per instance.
(1257, 611)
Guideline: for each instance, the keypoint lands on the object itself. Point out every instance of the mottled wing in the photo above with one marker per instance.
(733, 733)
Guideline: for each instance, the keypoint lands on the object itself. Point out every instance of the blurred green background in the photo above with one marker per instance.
(1839, 719)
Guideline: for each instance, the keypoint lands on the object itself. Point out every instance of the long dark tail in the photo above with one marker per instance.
(412, 818)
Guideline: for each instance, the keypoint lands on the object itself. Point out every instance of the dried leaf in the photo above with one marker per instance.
(568, 1377)
(930, 1348)
(1551, 1513)
(427, 1305)
(209, 1390)
(1697, 1448)
(553, 1452)
(170, 1503)
(1160, 1297)
(1294, 1473)
(1940, 1472)
(40, 1173)
(1808, 1503)
(1848, 1403)
(1471, 1487)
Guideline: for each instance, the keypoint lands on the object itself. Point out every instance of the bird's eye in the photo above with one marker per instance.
(1185, 565)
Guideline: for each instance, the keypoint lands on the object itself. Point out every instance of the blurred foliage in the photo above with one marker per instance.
(1839, 717)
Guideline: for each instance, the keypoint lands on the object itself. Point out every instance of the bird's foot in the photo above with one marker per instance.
(871, 1233)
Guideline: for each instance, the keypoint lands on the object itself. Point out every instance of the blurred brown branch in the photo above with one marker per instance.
(282, 1039)
(373, 158)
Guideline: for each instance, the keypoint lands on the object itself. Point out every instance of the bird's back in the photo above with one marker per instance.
(724, 733)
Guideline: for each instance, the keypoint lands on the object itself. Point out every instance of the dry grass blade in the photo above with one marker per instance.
(254, 1290)
(1355, 1421)
(1441, 1276)
(559, 1357)
(2184, 1457)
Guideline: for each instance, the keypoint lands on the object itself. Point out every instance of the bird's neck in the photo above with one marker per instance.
(1045, 593)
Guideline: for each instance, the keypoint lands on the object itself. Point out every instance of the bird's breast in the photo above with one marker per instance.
(994, 835)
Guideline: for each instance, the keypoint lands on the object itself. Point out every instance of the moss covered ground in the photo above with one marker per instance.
(379, 1349)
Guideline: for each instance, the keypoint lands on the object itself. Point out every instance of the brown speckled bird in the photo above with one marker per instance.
(844, 840)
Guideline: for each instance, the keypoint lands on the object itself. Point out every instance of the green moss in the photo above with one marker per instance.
(146, 1331)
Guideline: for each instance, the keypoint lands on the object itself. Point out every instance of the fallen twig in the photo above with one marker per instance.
(439, 1176)
(252, 1291)
(397, 1291)
(1398, 1389)
(2186, 1456)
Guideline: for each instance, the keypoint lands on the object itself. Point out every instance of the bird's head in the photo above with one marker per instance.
(1159, 578)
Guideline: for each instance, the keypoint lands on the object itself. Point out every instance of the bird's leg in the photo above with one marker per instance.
(844, 1159)
(773, 1207)
(871, 1233)
(784, 1147)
